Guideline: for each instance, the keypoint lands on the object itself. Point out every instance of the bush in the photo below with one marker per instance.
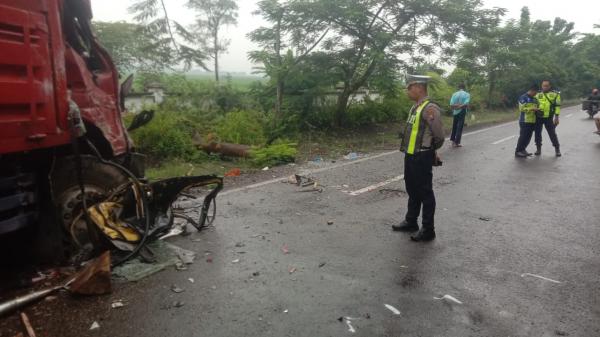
(167, 136)
(241, 127)
(278, 153)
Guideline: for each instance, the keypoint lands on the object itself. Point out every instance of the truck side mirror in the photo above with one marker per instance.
(125, 90)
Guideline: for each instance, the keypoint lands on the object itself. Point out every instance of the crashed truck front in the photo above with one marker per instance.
(70, 179)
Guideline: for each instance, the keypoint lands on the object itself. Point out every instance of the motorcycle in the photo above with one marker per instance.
(591, 107)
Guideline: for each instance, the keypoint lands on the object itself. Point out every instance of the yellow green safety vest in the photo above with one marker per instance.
(549, 103)
(414, 119)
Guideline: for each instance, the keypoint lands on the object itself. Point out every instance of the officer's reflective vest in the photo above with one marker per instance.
(527, 107)
(549, 103)
(414, 123)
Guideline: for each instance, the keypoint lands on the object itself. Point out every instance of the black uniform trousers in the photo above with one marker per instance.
(527, 130)
(418, 178)
(548, 123)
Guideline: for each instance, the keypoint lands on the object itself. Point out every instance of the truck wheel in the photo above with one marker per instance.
(100, 181)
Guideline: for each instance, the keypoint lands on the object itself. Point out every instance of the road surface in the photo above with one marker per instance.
(518, 246)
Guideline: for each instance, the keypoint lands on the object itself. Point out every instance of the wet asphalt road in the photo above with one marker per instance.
(498, 219)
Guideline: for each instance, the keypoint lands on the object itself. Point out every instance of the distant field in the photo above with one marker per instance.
(242, 82)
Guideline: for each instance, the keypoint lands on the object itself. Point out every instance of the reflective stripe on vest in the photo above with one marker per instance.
(415, 120)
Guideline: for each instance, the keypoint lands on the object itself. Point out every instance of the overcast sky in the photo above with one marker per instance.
(582, 12)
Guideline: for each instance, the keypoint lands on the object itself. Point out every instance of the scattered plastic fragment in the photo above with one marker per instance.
(348, 321)
(236, 261)
(95, 326)
(351, 156)
(292, 270)
(322, 264)
(191, 280)
(392, 309)
(266, 168)
(448, 298)
(235, 172)
(285, 249)
(286, 311)
(541, 277)
(209, 259)
(117, 304)
(176, 289)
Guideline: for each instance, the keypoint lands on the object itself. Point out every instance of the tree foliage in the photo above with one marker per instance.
(212, 16)
(168, 37)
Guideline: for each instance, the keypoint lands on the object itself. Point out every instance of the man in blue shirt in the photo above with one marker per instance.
(459, 103)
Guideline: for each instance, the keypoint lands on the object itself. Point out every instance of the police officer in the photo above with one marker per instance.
(550, 110)
(528, 107)
(422, 137)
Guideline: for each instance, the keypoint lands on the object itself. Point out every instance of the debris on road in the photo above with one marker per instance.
(292, 270)
(322, 264)
(351, 156)
(117, 304)
(285, 249)
(176, 289)
(236, 261)
(286, 311)
(235, 172)
(95, 326)
(191, 280)
(483, 218)
(330, 222)
(392, 309)
(256, 274)
(541, 278)
(209, 259)
(93, 279)
(165, 254)
(448, 298)
(266, 168)
(186, 256)
(27, 325)
(348, 321)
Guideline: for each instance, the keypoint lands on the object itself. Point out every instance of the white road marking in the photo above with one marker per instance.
(503, 140)
(376, 186)
(540, 277)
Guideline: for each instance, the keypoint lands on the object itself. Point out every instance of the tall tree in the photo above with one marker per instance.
(212, 16)
(370, 36)
(167, 35)
(286, 42)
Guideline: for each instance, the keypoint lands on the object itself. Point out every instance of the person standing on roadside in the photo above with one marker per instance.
(423, 136)
(528, 108)
(460, 104)
(548, 117)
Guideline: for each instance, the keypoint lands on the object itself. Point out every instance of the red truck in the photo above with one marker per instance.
(63, 144)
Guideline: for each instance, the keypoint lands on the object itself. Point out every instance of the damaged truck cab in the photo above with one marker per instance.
(63, 144)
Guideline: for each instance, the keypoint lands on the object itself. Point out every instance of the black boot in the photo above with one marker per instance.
(539, 150)
(424, 235)
(521, 154)
(406, 226)
(558, 154)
